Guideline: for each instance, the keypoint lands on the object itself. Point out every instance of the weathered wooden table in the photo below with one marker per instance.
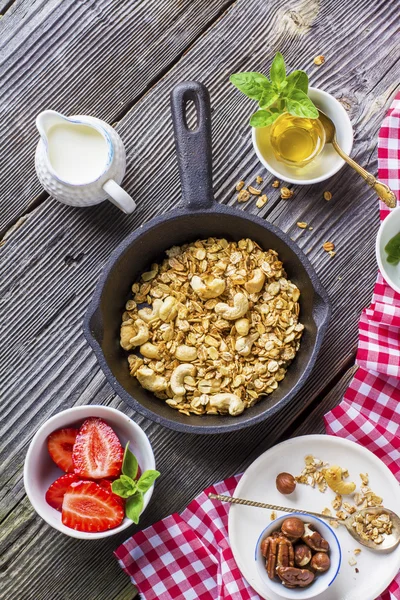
(118, 61)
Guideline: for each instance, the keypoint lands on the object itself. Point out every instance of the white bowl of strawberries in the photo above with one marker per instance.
(89, 472)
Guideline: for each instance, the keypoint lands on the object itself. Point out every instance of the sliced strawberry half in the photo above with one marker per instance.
(55, 493)
(97, 452)
(60, 444)
(87, 507)
(106, 485)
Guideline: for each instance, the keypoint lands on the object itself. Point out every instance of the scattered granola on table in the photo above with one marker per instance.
(328, 246)
(319, 60)
(254, 191)
(286, 193)
(262, 201)
(243, 196)
(219, 329)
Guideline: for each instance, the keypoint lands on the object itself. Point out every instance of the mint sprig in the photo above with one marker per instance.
(278, 95)
(127, 487)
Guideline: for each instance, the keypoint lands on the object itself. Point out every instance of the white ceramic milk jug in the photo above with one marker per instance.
(80, 160)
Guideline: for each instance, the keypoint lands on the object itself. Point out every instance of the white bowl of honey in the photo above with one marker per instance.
(294, 149)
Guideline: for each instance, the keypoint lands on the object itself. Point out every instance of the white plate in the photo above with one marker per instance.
(376, 571)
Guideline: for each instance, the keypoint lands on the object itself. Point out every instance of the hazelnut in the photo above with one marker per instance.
(320, 562)
(302, 555)
(293, 528)
(285, 483)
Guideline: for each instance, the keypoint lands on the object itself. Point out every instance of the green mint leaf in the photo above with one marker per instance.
(300, 105)
(146, 480)
(124, 486)
(393, 249)
(134, 506)
(393, 260)
(252, 84)
(268, 98)
(263, 118)
(298, 80)
(278, 72)
(129, 463)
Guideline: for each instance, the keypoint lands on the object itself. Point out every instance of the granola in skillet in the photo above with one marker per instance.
(218, 329)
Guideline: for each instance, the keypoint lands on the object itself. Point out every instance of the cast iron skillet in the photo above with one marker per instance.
(199, 217)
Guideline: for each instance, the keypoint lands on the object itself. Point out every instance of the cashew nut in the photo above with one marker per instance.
(227, 403)
(242, 326)
(243, 344)
(239, 308)
(127, 332)
(150, 350)
(151, 313)
(150, 380)
(333, 477)
(142, 334)
(168, 310)
(133, 333)
(186, 353)
(255, 284)
(177, 377)
(208, 288)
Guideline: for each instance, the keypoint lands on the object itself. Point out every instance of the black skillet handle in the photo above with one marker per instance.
(193, 146)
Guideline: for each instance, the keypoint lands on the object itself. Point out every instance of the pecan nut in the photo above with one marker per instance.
(278, 552)
(314, 540)
(295, 577)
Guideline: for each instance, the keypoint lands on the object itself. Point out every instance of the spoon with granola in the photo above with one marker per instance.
(376, 527)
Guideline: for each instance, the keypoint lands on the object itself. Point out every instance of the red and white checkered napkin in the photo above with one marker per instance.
(370, 410)
(188, 556)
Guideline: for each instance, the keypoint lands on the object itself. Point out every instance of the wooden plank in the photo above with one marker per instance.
(54, 258)
(313, 422)
(95, 57)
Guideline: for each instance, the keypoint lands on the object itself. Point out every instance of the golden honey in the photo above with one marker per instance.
(294, 140)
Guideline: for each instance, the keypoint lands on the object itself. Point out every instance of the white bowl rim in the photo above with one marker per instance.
(379, 259)
(302, 516)
(326, 175)
(74, 413)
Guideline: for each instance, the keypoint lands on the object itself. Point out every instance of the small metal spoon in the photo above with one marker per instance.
(392, 541)
(383, 191)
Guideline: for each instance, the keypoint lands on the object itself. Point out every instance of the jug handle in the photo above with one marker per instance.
(119, 197)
